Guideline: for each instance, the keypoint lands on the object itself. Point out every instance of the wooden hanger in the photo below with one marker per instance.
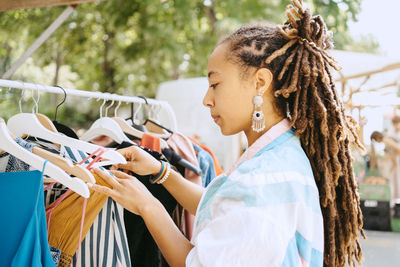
(126, 128)
(46, 122)
(70, 168)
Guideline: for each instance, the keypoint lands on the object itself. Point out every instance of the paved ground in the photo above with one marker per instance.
(381, 249)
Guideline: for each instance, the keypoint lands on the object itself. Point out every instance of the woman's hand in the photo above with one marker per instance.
(139, 161)
(126, 190)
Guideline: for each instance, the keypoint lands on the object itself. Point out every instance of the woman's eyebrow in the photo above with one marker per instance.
(211, 73)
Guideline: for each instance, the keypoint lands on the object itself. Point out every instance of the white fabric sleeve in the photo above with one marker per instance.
(245, 236)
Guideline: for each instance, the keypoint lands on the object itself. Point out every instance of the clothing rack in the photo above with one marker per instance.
(163, 105)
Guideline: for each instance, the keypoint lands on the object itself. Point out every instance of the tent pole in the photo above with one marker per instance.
(38, 42)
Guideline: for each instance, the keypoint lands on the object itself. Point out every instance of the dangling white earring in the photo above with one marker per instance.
(258, 122)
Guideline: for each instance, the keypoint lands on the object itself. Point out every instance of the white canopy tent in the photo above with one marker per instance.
(369, 86)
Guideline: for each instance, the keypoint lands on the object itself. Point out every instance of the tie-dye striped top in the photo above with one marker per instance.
(265, 213)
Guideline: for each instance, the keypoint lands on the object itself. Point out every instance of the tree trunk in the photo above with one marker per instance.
(58, 66)
(210, 12)
(108, 66)
(6, 59)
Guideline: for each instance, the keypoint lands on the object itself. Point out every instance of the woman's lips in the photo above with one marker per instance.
(215, 118)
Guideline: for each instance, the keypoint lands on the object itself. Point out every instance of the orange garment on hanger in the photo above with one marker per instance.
(217, 166)
(152, 142)
(65, 221)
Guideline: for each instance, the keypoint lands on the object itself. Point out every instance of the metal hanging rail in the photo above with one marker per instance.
(165, 106)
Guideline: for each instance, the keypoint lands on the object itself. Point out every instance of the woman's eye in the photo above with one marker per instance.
(214, 85)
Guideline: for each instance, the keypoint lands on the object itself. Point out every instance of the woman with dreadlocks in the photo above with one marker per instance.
(291, 199)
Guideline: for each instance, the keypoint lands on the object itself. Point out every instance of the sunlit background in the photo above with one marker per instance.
(159, 49)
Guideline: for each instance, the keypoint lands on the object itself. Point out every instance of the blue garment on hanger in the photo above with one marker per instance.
(23, 232)
(206, 164)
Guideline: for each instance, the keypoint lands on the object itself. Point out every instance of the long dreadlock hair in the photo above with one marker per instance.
(305, 90)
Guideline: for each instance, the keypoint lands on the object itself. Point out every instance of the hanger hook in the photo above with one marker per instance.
(101, 107)
(144, 98)
(150, 111)
(116, 108)
(136, 112)
(155, 111)
(147, 103)
(112, 103)
(132, 111)
(62, 102)
(36, 101)
(22, 96)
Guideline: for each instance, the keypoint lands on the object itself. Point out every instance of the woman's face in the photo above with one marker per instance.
(229, 97)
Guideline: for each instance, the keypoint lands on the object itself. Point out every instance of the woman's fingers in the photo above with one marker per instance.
(130, 165)
(121, 175)
(102, 189)
(112, 181)
(129, 153)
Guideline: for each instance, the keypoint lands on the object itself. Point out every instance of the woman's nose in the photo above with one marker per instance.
(208, 100)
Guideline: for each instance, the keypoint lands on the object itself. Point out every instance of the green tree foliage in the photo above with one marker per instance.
(129, 47)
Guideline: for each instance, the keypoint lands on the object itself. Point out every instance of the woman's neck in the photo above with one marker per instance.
(252, 136)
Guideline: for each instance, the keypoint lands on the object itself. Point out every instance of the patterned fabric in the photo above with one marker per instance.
(28, 146)
(9, 163)
(265, 213)
(55, 254)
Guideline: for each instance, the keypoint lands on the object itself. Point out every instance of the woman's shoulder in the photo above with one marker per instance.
(285, 157)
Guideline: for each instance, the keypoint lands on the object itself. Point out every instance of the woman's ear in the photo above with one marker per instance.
(263, 79)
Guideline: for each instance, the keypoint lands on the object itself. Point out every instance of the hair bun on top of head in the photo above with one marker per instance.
(303, 26)
(304, 29)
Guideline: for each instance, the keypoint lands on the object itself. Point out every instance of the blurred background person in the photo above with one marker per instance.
(392, 156)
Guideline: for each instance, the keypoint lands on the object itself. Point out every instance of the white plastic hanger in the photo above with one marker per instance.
(8, 144)
(65, 164)
(105, 126)
(28, 123)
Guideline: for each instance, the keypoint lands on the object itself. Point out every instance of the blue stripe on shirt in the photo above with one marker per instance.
(292, 256)
(259, 195)
(298, 244)
(209, 195)
(272, 194)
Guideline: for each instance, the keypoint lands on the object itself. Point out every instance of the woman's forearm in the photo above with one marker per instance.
(185, 192)
(173, 244)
